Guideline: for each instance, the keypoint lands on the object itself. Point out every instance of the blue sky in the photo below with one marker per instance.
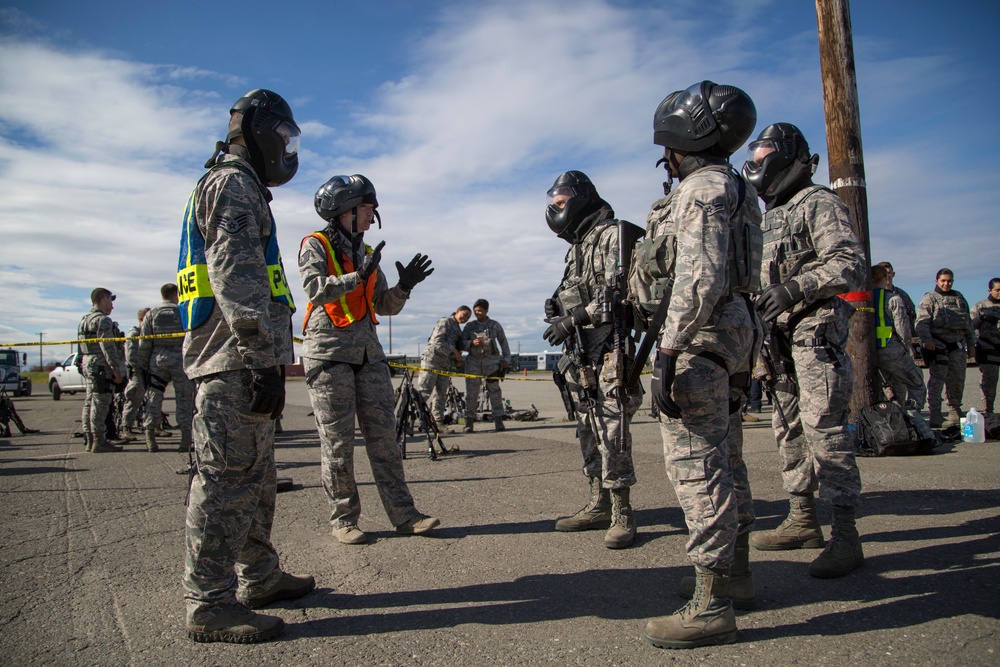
(462, 114)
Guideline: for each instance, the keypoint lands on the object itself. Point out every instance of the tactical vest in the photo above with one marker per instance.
(195, 296)
(883, 325)
(88, 328)
(165, 320)
(576, 290)
(787, 254)
(353, 305)
(652, 276)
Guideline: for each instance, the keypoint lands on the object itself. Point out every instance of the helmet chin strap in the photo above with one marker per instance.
(665, 161)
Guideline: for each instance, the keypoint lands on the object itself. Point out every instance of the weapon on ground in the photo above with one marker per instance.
(412, 416)
(8, 414)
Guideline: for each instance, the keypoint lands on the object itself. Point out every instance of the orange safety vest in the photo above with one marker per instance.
(353, 305)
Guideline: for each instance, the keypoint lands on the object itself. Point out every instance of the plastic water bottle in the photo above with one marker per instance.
(974, 428)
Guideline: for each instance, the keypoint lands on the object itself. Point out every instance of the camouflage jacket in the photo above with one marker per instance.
(492, 333)
(132, 347)
(810, 239)
(696, 220)
(443, 341)
(908, 306)
(358, 341)
(945, 318)
(246, 328)
(896, 308)
(164, 319)
(988, 332)
(108, 356)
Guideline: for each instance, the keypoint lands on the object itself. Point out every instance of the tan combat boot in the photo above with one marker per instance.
(843, 554)
(800, 530)
(498, 424)
(185, 445)
(741, 589)
(935, 420)
(954, 417)
(88, 442)
(706, 620)
(595, 514)
(233, 623)
(151, 445)
(622, 531)
(101, 445)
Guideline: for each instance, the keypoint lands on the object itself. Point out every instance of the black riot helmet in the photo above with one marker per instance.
(345, 193)
(568, 222)
(270, 134)
(778, 147)
(705, 117)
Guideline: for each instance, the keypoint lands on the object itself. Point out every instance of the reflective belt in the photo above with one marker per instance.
(883, 330)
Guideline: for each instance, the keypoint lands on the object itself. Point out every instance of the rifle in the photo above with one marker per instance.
(775, 367)
(617, 311)
(411, 411)
(564, 392)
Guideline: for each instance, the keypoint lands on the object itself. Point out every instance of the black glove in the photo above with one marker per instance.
(777, 299)
(989, 318)
(267, 392)
(370, 262)
(562, 327)
(664, 369)
(414, 272)
(551, 309)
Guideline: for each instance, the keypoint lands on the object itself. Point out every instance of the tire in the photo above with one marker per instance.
(56, 391)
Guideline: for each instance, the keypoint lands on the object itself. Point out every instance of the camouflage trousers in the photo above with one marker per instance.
(947, 370)
(817, 448)
(96, 402)
(163, 371)
(339, 393)
(231, 507)
(988, 384)
(699, 450)
(482, 366)
(433, 388)
(134, 392)
(898, 369)
(602, 454)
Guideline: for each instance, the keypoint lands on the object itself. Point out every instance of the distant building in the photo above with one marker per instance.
(544, 361)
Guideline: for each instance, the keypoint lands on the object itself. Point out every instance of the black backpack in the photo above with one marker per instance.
(886, 431)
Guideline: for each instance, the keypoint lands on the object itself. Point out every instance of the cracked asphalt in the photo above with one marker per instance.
(91, 548)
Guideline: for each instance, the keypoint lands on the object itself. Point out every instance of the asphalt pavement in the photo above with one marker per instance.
(92, 551)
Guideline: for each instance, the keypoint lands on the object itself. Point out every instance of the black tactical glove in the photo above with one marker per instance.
(414, 272)
(562, 327)
(267, 392)
(370, 262)
(664, 369)
(989, 318)
(551, 309)
(776, 299)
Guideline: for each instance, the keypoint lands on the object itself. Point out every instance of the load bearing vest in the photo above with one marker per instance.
(883, 329)
(194, 291)
(353, 305)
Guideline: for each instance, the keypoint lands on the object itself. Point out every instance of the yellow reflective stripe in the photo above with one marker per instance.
(337, 271)
(279, 287)
(883, 332)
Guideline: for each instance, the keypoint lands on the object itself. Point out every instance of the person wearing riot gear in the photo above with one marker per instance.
(346, 369)
(578, 215)
(986, 322)
(811, 256)
(694, 272)
(236, 308)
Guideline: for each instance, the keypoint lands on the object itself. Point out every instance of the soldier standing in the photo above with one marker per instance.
(489, 354)
(694, 263)
(102, 365)
(579, 216)
(908, 306)
(346, 369)
(985, 318)
(944, 327)
(442, 349)
(136, 387)
(162, 361)
(811, 255)
(236, 308)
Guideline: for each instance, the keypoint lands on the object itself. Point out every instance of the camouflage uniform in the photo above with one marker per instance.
(987, 349)
(484, 360)
(438, 356)
(894, 360)
(231, 506)
(944, 319)
(136, 388)
(348, 377)
(100, 362)
(162, 359)
(590, 265)
(715, 331)
(814, 231)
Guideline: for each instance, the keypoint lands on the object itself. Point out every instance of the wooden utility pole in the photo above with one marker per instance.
(847, 178)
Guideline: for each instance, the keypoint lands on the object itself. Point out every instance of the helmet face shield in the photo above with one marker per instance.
(291, 135)
(758, 150)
